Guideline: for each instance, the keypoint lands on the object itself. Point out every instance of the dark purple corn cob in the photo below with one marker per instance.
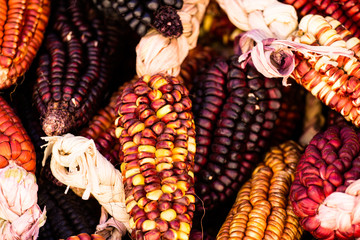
(67, 214)
(329, 164)
(143, 14)
(73, 68)
(235, 111)
(345, 11)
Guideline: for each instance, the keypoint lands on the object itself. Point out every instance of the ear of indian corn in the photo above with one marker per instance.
(322, 194)
(335, 79)
(22, 27)
(85, 236)
(235, 111)
(15, 144)
(157, 135)
(345, 11)
(262, 209)
(73, 68)
(67, 214)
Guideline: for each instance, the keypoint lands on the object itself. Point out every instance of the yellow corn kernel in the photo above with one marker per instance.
(128, 145)
(191, 198)
(138, 179)
(158, 82)
(118, 131)
(147, 160)
(191, 145)
(179, 150)
(168, 215)
(191, 174)
(183, 185)
(122, 167)
(163, 153)
(164, 110)
(168, 188)
(185, 227)
(132, 172)
(148, 225)
(132, 223)
(146, 78)
(154, 195)
(146, 148)
(182, 235)
(135, 128)
(130, 205)
(179, 158)
(163, 166)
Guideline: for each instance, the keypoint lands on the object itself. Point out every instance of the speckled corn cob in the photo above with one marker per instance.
(85, 236)
(262, 209)
(22, 27)
(235, 111)
(67, 214)
(73, 68)
(345, 11)
(336, 86)
(157, 136)
(101, 129)
(15, 144)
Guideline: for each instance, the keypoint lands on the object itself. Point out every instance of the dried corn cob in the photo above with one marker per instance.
(346, 11)
(15, 144)
(322, 193)
(157, 136)
(141, 15)
(85, 236)
(73, 69)
(22, 27)
(67, 214)
(335, 80)
(235, 111)
(262, 209)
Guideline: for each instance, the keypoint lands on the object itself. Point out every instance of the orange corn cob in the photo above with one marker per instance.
(22, 27)
(334, 81)
(262, 209)
(15, 144)
(157, 137)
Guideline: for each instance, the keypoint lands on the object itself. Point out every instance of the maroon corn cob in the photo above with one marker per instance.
(330, 164)
(235, 111)
(22, 27)
(157, 136)
(72, 72)
(345, 11)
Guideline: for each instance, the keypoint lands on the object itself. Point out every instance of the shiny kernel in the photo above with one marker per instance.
(118, 131)
(191, 174)
(117, 121)
(164, 110)
(130, 206)
(147, 160)
(135, 128)
(138, 180)
(148, 225)
(182, 235)
(122, 167)
(168, 215)
(158, 83)
(191, 198)
(132, 172)
(132, 223)
(179, 150)
(146, 148)
(185, 227)
(179, 158)
(183, 185)
(191, 145)
(169, 188)
(146, 78)
(163, 166)
(128, 145)
(163, 153)
(154, 195)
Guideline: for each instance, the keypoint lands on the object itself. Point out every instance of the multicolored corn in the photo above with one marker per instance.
(326, 184)
(335, 80)
(262, 209)
(73, 68)
(85, 236)
(101, 128)
(22, 27)
(345, 11)
(157, 135)
(67, 214)
(235, 111)
(15, 144)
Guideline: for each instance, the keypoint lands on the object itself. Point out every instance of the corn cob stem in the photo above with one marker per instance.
(262, 209)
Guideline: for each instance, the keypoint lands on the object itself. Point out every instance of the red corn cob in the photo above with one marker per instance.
(15, 144)
(73, 68)
(85, 236)
(157, 137)
(330, 164)
(336, 86)
(347, 12)
(235, 111)
(22, 27)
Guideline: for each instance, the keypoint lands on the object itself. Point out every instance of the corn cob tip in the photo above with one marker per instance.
(57, 122)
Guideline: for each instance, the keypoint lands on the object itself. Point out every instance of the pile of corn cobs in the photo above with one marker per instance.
(218, 152)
